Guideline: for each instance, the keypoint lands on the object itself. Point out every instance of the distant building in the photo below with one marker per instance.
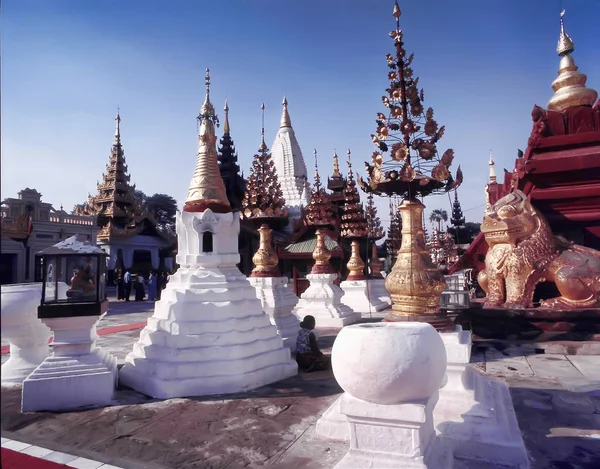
(30, 226)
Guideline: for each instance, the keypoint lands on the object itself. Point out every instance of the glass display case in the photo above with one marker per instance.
(74, 279)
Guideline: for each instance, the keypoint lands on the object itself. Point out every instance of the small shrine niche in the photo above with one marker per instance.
(207, 242)
(82, 266)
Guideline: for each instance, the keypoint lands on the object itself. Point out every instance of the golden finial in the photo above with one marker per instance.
(336, 165)
(397, 14)
(226, 125)
(263, 145)
(207, 189)
(355, 265)
(349, 164)
(569, 87)
(565, 43)
(285, 116)
(321, 255)
(265, 259)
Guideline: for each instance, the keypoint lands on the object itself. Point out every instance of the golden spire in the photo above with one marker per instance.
(118, 130)
(226, 125)
(263, 145)
(569, 87)
(336, 165)
(207, 189)
(285, 117)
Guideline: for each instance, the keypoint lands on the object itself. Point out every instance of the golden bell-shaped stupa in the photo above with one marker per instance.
(265, 258)
(355, 265)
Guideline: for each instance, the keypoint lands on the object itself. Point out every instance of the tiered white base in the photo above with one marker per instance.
(77, 374)
(208, 335)
(377, 290)
(357, 297)
(278, 301)
(322, 299)
(475, 415)
(27, 335)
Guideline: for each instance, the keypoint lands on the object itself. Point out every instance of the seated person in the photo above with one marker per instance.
(308, 355)
(81, 285)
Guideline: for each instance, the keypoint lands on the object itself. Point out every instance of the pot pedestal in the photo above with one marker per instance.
(77, 374)
(278, 301)
(322, 299)
(358, 298)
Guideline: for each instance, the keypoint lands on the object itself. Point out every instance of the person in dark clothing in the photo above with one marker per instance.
(308, 355)
(140, 291)
(127, 284)
(120, 285)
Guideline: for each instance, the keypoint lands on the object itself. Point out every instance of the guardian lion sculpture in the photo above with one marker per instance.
(523, 252)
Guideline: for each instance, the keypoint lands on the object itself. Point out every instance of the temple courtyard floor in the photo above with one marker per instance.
(556, 398)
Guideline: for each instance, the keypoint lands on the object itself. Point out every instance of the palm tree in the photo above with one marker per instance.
(437, 216)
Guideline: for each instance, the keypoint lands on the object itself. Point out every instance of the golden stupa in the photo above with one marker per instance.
(207, 189)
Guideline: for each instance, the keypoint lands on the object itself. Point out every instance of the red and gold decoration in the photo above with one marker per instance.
(263, 204)
(354, 225)
(207, 190)
(321, 255)
(407, 164)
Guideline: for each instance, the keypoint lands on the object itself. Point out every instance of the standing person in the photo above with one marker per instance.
(308, 355)
(127, 282)
(152, 286)
(140, 291)
(120, 285)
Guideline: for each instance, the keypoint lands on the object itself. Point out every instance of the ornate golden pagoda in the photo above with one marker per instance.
(263, 204)
(569, 87)
(119, 212)
(207, 190)
(354, 222)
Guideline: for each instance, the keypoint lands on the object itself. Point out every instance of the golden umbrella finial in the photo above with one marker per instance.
(263, 145)
(207, 190)
(336, 164)
(569, 87)
(226, 129)
(118, 127)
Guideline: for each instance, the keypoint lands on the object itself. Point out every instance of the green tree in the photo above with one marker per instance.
(164, 208)
(438, 216)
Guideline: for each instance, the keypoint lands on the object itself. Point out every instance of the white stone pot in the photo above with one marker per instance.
(389, 362)
(27, 335)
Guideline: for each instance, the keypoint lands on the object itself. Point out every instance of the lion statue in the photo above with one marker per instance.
(523, 252)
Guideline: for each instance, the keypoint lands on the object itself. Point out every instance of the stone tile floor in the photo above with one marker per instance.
(556, 399)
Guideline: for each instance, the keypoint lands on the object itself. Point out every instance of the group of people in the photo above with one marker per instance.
(126, 283)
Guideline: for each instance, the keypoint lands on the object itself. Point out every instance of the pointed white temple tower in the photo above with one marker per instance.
(208, 334)
(290, 166)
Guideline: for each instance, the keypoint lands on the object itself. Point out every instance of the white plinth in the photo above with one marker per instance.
(27, 335)
(377, 290)
(77, 374)
(475, 415)
(278, 301)
(322, 299)
(390, 393)
(358, 298)
(208, 334)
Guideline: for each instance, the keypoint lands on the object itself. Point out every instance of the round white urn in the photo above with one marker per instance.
(389, 362)
(27, 335)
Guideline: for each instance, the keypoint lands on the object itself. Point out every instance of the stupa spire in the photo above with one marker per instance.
(492, 168)
(336, 165)
(354, 222)
(458, 218)
(235, 186)
(263, 145)
(207, 189)
(285, 116)
(118, 128)
(569, 87)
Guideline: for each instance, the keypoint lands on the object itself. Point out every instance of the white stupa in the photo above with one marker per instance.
(209, 334)
(290, 167)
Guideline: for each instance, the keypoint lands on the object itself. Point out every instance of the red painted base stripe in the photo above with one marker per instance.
(104, 331)
(15, 460)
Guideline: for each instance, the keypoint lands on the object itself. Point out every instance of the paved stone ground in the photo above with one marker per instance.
(556, 399)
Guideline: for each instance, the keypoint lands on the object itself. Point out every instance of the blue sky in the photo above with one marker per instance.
(66, 64)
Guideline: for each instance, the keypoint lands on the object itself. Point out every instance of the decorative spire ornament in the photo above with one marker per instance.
(354, 222)
(321, 255)
(375, 231)
(264, 205)
(458, 219)
(320, 211)
(406, 163)
(569, 87)
(235, 185)
(207, 190)
(285, 116)
(492, 168)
